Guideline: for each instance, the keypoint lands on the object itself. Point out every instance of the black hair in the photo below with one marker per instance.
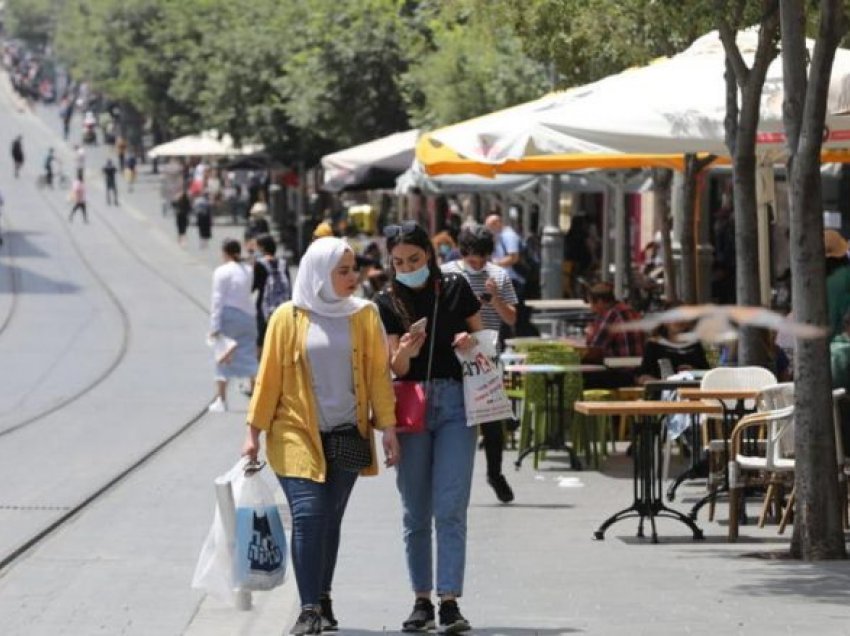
(476, 241)
(267, 244)
(232, 248)
(410, 234)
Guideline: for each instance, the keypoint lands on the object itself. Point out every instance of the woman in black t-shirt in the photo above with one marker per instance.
(435, 472)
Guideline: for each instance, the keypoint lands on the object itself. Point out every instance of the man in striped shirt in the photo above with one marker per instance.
(494, 289)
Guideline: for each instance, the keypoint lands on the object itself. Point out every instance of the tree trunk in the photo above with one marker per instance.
(741, 126)
(818, 531)
(661, 180)
(690, 262)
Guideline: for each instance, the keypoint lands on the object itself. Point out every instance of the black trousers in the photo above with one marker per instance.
(494, 444)
(82, 208)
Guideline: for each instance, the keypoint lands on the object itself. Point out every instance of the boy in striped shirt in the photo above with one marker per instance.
(494, 289)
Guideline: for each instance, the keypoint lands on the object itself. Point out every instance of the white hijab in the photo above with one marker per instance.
(314, 289)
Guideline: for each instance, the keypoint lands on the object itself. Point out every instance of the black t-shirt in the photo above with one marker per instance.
(457, 303)
(689, 354)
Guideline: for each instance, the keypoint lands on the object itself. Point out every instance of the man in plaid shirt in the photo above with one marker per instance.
(603, 343)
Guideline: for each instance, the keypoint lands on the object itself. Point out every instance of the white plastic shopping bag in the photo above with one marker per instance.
(260, 554)
(483, 389)
(214, 571)
(250, 558)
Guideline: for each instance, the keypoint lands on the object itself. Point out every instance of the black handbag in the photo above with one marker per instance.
(346, 449)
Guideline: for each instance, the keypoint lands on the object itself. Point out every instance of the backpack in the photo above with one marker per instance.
(276, 291)
(528, 268)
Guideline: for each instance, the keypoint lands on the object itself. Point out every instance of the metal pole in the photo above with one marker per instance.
(607, 214)
(552, 245)
(620, 243)
(227, 510)
(766, 201)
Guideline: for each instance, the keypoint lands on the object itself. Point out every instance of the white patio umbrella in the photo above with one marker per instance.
(205, 144)
(674, 105)
(375, 164)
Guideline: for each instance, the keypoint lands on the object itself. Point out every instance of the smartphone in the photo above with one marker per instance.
(419, 326)
(485, 296)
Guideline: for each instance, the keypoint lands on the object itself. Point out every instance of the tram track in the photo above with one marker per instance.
(69, 512)
(12, 268)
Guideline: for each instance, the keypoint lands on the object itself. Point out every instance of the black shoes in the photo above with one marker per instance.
(503, 490)
(451, 620)
(421, 618)
(329, 622)
(309, 622)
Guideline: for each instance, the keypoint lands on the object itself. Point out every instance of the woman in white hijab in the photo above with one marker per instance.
(324, 368)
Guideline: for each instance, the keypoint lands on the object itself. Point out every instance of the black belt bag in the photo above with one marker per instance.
(346, 449)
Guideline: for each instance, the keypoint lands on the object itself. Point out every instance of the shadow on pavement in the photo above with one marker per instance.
(32, 283)
(478, 631)
(824, 582)
(21, 246)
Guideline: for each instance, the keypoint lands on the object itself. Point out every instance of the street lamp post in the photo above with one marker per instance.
(552, 245)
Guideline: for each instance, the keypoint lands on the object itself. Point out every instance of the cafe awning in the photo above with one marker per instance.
(370, 166)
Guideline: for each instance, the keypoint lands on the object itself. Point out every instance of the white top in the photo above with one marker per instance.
(477, 280)
(231, 287)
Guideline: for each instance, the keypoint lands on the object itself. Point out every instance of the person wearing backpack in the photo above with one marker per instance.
(271, 282)
(508, 252)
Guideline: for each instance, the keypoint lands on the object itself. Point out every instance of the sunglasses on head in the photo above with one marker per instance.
(408, 227)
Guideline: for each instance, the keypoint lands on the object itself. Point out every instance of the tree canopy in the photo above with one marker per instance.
(306, 77)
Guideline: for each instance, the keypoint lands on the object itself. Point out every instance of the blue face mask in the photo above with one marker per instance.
(414, 279)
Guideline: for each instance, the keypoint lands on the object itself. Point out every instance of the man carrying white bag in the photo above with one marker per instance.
(246, 547)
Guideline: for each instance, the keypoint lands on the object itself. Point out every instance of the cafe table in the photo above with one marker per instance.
(553, 405)
(646, 480)
(731, 414)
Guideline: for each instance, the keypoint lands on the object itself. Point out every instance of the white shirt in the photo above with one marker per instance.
(231, 287)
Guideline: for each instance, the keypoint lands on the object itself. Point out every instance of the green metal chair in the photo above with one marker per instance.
(534, 421)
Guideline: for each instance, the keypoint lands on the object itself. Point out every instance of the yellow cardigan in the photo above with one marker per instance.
(283, 404)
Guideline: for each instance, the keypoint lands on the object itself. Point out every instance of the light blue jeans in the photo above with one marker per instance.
(434, 478)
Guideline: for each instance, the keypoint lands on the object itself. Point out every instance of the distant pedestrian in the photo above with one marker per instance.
(66, 111)
(494, 289)
(324, 379)
(203, 215)
(121, 151)
(78, 197)
(109, 172)
(271, 282)
(18, 154)
(232, 315)
(182, 206)
(79, 158)
(130, 172)
(48, 167)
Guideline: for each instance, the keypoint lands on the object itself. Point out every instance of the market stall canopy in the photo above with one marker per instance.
(370, 166)
(647, 116)
(206, 144)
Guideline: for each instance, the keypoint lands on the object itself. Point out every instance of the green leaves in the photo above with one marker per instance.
(306, 77)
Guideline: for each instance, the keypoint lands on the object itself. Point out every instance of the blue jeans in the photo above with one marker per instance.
(434, 478)
(317, 510)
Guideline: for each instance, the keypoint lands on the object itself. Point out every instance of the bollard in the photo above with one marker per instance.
(227, 510)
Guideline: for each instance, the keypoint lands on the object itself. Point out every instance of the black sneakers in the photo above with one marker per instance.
(422, 617)
(503, 490)
(309, 622)
(451, 620)
(329, 622)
